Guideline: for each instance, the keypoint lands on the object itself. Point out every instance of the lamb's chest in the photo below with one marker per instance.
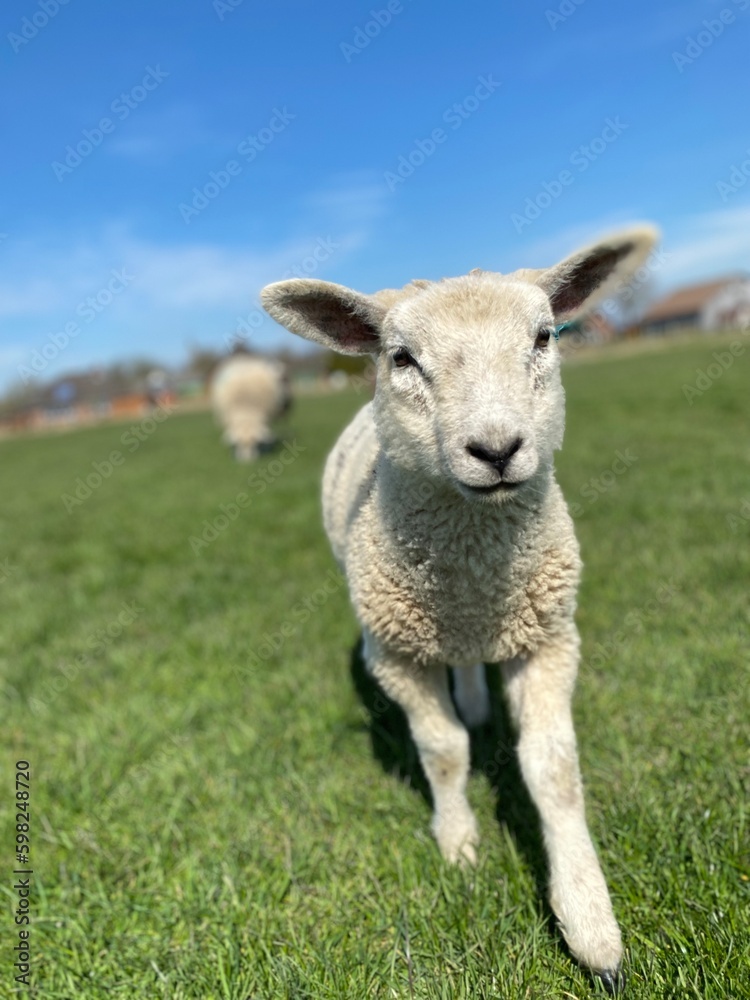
(462, 611)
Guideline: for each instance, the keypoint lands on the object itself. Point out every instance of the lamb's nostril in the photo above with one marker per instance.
(498, 459)
(476, 451)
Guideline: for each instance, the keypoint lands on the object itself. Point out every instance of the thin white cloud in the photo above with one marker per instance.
(173, 292)
(709, 244)
(137, 297)
(697, 247)
(352, 198)
(571, 37)
(139, 147)
(48, 274)
(32, 297)
(154, 135)
(162, 276)
(199, 275)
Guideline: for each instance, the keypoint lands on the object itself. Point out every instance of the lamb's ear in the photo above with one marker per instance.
(331, 315)
(587, 277)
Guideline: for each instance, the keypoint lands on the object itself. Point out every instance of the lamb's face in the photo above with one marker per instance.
(468, 383)
(468, 386)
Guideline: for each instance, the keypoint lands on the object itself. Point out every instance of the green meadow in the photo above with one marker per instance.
(221, 804)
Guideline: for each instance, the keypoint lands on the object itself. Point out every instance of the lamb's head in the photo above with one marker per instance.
(468, 383)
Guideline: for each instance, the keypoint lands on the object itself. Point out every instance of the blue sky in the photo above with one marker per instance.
(641, 106)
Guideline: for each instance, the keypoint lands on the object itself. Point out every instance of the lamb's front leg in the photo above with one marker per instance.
(442, 742)
(539, 691)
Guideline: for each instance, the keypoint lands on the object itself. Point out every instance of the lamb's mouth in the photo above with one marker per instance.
(496, 488)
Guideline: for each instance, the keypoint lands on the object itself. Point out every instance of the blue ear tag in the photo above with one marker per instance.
(559, 329)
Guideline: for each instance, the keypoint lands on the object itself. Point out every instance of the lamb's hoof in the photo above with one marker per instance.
(613, 981)
(458, 841)
(467, 857)
(463, 854)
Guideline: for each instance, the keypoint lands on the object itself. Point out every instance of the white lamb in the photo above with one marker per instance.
(441, 504)
(247, 393)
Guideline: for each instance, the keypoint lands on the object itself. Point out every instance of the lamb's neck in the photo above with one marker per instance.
(429, 513)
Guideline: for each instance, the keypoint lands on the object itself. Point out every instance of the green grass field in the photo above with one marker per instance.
(220, 805)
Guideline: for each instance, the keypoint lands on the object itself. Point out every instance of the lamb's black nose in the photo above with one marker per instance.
(497, 459)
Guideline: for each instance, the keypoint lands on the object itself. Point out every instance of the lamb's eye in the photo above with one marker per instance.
(542, 338)
(402, 358)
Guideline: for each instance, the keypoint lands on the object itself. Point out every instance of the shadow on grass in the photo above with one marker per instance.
(392, 745)
(492, 754)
